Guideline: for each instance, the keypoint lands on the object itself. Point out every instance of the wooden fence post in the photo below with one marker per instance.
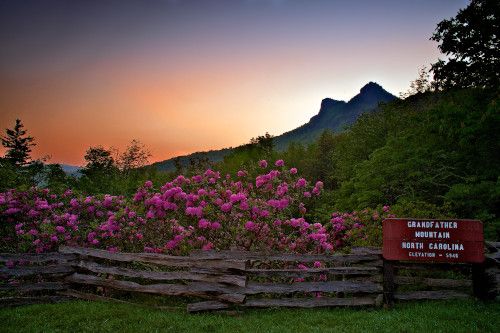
(388, 282)
(480, 281)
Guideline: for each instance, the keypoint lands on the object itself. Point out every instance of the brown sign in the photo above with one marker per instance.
(433, 240)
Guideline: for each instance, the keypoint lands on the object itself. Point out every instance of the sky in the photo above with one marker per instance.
(184, 76)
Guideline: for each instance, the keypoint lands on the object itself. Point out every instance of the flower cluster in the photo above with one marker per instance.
(205, 211)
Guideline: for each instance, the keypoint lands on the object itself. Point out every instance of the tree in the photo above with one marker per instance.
(263, 142)
(420, 85)
(98, 159)
(135, 156)
(470, 40)
(18, 144)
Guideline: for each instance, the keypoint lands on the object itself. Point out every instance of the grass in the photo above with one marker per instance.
(82, 316)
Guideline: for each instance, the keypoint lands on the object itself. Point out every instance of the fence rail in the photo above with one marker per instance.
(224, 279)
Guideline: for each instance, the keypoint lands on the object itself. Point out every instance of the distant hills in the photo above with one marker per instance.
(333, 115)
(71, 170)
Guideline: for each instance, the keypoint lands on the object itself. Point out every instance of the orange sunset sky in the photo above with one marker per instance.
(186, 76)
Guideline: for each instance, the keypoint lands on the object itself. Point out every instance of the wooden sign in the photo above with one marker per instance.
(432, 240)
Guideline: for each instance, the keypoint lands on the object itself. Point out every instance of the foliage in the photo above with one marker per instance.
(205, 211)
(420, 85)
(438, 148)
(470, 41)
(18, 145)
(135, 156)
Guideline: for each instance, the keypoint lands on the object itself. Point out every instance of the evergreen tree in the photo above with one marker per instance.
(18, 145)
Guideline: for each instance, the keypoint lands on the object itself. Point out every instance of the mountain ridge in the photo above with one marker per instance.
(333, 115)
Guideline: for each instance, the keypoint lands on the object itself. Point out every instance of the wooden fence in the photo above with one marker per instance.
(229, 279)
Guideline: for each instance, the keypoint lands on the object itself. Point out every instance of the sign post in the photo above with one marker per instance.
(429, 240)
(432, 241)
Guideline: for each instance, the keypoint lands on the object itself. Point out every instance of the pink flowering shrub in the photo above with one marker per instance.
(205, 211)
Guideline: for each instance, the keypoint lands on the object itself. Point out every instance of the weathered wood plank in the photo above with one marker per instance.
(248, 255)
(200, 289)
(313, 271)
(418, 266)
(40, 286)
(429, 294)
(232, 298)
(492, 246)
(94, 297)
(366, 250)
(24, 271)
(429, 282)
(237, 280)
(495, 257)
(17, 301)
(154, 258)
(206, 306)
(329, 286)
(309, 302)
(37, 258)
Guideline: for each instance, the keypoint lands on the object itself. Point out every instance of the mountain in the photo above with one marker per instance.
(333, 115)
(336, 115)
(71, 170)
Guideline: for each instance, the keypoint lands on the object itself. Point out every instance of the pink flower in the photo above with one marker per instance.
(208, 246)
(204, 224)
(171, 244)
(215, 225)
(386, 208)
(301, 183)
(250, 226)
(60, 229)
(279, 163)
(241, 173)
(293, 171)
(263, 163)
(226, 207)
(148, 184)
(317, 264)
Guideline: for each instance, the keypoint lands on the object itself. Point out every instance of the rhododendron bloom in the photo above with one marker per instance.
(279, 163)
(263, 163)
(301, 183)
(226, 207)
(203, 224)
(250, 225)
(208, 246)
(293, 171)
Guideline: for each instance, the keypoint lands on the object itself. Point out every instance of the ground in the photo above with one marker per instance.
(83, 316)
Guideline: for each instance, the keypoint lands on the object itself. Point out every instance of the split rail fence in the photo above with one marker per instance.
(236, 279)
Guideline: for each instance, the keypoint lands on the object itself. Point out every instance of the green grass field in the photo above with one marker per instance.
(82, 316)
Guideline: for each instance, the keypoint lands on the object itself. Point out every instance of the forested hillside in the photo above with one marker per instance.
(432, 154)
